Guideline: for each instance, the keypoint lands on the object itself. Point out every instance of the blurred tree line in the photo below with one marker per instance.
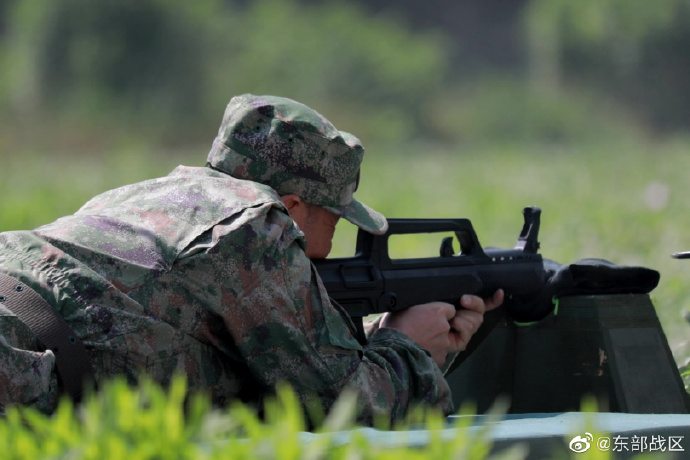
(83, 73)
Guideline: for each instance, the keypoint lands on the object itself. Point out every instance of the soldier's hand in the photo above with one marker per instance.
(467, 320)
(438, 327)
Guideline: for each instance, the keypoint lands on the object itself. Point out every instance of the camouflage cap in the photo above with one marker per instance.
(293, 149)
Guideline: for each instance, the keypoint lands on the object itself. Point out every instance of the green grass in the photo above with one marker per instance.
(597, 200)
(152, 423)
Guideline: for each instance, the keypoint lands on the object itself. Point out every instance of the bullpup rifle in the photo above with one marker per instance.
(372, 282)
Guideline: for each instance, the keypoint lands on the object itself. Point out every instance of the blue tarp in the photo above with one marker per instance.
(545, 435)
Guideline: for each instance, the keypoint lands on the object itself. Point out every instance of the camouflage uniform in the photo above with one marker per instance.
(203, 272)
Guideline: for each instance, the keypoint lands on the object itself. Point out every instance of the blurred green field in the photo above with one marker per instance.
(625, 202)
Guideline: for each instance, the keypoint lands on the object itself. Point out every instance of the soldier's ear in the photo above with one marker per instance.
(290, 201)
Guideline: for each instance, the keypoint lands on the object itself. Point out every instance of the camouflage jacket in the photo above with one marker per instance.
(201, 274)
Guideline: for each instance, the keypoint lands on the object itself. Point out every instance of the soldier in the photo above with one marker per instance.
(206, 272)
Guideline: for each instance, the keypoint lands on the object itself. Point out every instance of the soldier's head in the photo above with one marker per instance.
(296, 151)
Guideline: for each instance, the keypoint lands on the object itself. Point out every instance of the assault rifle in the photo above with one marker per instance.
(371, 282)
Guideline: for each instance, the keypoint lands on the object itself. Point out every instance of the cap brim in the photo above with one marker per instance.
(362, 216)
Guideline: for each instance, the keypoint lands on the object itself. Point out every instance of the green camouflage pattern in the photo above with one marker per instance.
(295, 150)
(202, 274)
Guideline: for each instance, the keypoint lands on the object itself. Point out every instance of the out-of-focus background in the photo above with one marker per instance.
(467, 109)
